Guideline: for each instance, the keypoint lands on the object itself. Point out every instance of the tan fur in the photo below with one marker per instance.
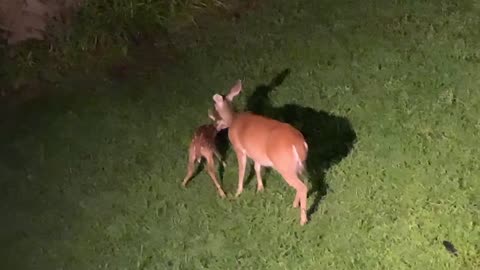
(269, 143)
(203, 145)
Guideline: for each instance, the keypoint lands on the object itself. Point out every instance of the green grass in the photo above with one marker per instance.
(92, 180)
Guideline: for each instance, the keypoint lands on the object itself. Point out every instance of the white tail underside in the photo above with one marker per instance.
(300, 165)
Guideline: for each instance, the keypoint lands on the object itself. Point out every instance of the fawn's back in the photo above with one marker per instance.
(204, 139)
(203, 144)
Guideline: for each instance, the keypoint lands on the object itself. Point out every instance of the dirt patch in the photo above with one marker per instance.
(147, 53)
(28, 19)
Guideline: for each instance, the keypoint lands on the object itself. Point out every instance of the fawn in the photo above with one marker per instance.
(203, 145)
(269, 143)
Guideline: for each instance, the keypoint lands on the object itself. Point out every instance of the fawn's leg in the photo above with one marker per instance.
(242, 163)
(219, 158)
(258, 172)
(211, 172)
(191, 165)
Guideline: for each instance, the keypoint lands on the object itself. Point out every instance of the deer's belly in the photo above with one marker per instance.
(258, 156)
(251, 138)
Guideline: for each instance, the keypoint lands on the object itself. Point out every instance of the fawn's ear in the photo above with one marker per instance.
(236, 89)
(210, 115)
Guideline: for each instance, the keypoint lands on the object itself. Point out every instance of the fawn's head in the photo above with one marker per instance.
(218, 122)
(223, 105)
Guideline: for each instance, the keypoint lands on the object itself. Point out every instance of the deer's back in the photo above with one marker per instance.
(265, 140)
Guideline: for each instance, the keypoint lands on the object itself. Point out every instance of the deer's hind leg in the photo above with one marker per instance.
(301, 193)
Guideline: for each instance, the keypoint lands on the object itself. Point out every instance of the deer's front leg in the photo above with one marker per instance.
(258, 172)
(242, 163)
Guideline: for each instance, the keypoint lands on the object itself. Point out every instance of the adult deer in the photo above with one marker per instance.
(269, 143)
(203, 145)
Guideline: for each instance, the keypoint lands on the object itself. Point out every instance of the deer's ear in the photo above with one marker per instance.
(236, 89)
(218, 99)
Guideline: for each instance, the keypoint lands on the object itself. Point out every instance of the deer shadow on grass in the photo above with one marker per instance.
(330, 138)
(222, 143)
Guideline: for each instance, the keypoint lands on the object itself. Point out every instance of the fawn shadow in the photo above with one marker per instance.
(330, 138)
(222, 144)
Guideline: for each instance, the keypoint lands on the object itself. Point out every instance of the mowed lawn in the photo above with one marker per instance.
(387, 92)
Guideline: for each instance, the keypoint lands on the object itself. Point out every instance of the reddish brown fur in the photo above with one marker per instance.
(203, 145)
(204, 137)
(268, 143)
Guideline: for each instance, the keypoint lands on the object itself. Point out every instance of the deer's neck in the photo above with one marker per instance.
(230, 117)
